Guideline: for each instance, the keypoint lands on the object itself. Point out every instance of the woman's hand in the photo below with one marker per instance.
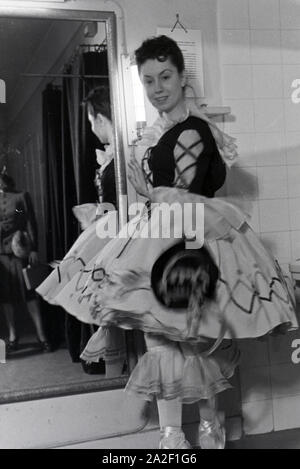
(33, 258)
(137, 179)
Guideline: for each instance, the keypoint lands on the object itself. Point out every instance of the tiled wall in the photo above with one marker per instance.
(260, 57)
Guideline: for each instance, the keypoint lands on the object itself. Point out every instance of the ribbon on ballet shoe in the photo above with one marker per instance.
(173, 438)
(212, 434)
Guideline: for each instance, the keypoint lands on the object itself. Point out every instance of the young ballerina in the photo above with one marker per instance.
(184, 279)
(188, 358)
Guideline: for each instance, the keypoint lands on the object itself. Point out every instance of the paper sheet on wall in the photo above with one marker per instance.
(190, 43)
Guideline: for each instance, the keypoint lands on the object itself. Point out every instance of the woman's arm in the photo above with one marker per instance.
(217, 168)
(199, 165)
(187, 157)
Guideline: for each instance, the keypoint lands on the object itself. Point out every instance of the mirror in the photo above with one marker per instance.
(49, 61)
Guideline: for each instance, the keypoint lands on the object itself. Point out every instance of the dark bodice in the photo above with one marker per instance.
(106, 185)
(209, 168)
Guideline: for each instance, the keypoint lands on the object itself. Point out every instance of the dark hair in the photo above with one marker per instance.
(160, 48)
(183, 278)
(8, 181)
(98, 101)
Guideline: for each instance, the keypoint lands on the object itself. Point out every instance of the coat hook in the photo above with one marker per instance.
(179, 24)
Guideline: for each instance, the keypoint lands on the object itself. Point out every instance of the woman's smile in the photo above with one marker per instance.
(161, 99)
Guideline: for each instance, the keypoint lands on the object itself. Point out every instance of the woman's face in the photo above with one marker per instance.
(163, 84)
(100, 126)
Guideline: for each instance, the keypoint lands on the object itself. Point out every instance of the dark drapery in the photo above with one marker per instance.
(52, 133)
(69, 150)
(83, 144)
(83, 141)
(55, 206)
(69, 153)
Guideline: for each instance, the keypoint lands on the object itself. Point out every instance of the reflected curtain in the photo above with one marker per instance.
(83, 146)
(55, 206)
(69, 153)
(83, 141)
(69, 150)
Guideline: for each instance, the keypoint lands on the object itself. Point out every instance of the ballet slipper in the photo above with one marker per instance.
(212, 434)
(173, 438)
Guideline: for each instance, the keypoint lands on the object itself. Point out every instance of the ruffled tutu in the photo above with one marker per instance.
(113, 287)
(174, 371)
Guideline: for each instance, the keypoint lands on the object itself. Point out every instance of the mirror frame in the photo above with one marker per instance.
(109, 18)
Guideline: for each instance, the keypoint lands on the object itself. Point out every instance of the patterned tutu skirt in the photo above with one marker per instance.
(113, 288)
(108, 282)
(112, 346)
(86, 247)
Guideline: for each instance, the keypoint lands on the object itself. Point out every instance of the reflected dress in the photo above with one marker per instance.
(85, 248)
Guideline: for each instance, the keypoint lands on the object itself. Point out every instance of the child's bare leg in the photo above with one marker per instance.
(211, 431)
(169, 410)
(208, 409)
(170, 413)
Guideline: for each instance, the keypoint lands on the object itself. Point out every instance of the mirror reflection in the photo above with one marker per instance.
(57, 168)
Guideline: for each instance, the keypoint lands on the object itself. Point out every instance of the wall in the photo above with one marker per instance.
(142, 19)
(260, 57)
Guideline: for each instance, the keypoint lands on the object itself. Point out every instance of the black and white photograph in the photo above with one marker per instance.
(149, 227)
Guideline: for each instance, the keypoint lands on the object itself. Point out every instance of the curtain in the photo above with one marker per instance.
(83, 141)
(69, 150)
(55, 205)
(83, 145)
(69, 153)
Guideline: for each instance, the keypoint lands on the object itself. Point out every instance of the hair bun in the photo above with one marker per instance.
(178, 273)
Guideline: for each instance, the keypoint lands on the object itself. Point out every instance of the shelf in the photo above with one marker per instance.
(210, 110)
(217, 110)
